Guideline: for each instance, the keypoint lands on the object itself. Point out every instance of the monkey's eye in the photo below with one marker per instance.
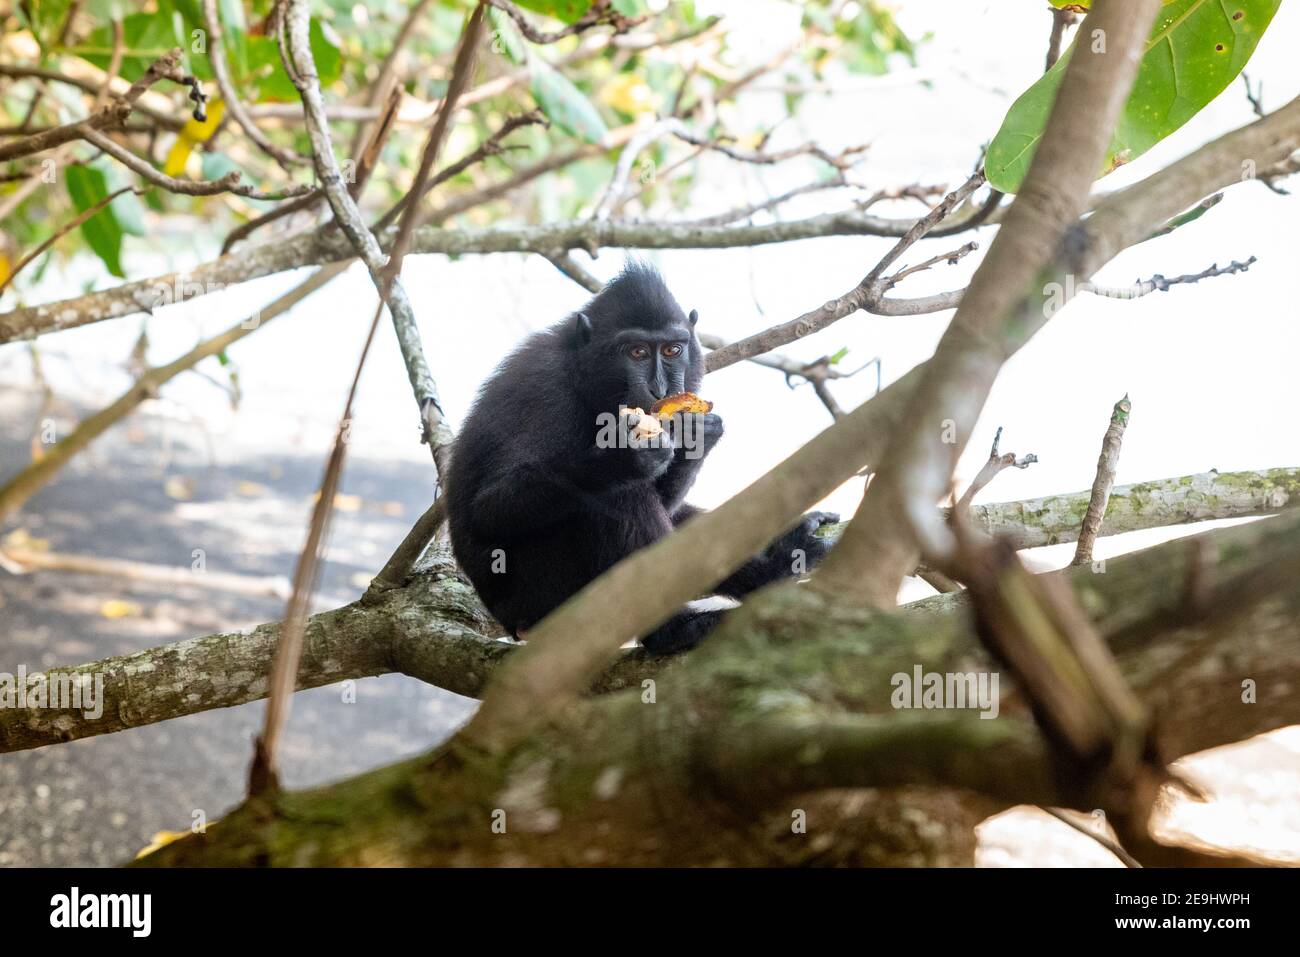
(638, 352)
(671, 351)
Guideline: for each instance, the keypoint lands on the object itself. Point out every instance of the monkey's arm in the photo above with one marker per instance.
(792, 555)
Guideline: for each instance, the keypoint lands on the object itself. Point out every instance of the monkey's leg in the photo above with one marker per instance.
(684, 630)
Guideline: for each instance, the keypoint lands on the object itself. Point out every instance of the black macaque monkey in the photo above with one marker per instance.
(548, 487)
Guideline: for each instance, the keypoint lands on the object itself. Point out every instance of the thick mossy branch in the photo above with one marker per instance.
(436, 630)
(787, 704)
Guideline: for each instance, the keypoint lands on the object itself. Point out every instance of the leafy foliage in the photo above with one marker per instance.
(1196, 48)
(587, 91)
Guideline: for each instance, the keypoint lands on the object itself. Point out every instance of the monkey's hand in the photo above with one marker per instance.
(794, 554)
(694, 433)
(801, 547)
(647, 456)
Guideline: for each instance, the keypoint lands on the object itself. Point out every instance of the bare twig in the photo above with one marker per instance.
(1159, 283)
(492, 146)
(262, 775)
(995, 464)
(108, 116)
(295, 51)
(26, 483)
(1113, 846)
(745, 212)
(867, 295)
(22, 561)
(230, 183)
(1255, 95)
(600, 12)
(409, 551)
(951, 258)
(287, 158)
(461, 70)
(63, 230)
(1105, 480)
(1061, 19)
(114, 67)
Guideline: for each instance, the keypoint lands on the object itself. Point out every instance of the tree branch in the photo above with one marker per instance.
(315, 248)
(1101, 486)
(1002, 308)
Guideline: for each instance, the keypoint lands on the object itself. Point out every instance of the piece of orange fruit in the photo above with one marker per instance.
(669, 406)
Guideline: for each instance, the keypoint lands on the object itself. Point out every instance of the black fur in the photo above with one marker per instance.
(537, 509)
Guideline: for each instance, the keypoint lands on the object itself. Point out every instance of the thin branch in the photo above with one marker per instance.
(462, 68)
(107, 117)
(287, 158)
(1113, 846)
(746, 212)
(951, 257)
(295, 51)
(995, 464)
(63, 230)
(600, 13)
(91, 82)
(1158, 283)
(1105, 480)
(492, 146)
(230, 183)
(262, 775)
(1061, 19)
(27, 482)
(22, 561)
(867, 295)
(315, 247)
(1002, 308)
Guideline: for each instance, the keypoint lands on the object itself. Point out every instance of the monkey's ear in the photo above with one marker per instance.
(693, 317)
(582, 329)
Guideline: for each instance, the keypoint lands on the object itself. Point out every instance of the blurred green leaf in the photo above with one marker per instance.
(267, 71)
(44, 18)
(145, 37)
(506, 38)
(567, 10)
(564, 104)
(102, 232)
(1195, 50)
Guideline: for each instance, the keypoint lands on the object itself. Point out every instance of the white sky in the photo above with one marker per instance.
(1210, 368)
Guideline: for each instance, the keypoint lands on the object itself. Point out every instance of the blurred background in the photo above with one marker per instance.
(227, 458)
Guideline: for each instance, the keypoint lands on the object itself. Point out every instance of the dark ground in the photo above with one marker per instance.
(145, 493)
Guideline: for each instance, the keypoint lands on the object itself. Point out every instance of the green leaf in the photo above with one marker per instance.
(565, 105)
(1196, 48)
(506, 38)
(127, 208)
(87, 186)
(145, 37)
(44, 18)
(843, 351)
(567, 10)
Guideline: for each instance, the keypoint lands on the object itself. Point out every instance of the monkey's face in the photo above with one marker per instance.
(652, 364)
(635, 367)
